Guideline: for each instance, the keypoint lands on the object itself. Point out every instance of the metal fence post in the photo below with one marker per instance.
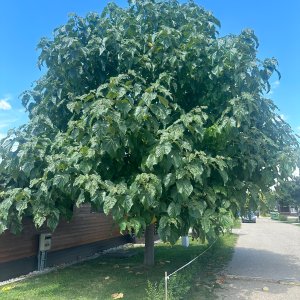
(166, 286)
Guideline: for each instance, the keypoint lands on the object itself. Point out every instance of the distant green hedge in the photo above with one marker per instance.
(282, 217)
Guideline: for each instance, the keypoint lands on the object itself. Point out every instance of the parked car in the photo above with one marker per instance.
(249, 217)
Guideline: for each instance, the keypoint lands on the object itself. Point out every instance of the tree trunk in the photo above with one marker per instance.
(149, 245)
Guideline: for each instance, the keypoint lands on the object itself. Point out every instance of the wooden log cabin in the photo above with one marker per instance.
(86, 234)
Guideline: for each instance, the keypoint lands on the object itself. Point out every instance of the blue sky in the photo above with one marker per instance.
(24, 22)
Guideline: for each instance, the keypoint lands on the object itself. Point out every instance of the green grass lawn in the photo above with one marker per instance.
(209, 267)
(101, 277)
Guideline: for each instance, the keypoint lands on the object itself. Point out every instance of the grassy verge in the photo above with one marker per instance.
(209, 268)
(289, 220)
(104, 276)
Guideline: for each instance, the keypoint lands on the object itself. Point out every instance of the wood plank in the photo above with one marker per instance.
(84, 228)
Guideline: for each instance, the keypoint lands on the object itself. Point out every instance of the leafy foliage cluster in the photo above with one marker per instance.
(148, 114)
(287, 192)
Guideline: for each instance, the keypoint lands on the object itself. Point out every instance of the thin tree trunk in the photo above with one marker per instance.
(149, 245)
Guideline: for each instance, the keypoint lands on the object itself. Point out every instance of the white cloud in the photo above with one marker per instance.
(2, 135)
(274, 85)
(283, 117)
(4, 104)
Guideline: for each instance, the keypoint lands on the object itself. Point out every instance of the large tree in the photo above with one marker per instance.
(146, 113)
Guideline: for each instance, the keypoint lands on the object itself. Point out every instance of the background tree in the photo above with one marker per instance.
(146, 113)
(287, 193)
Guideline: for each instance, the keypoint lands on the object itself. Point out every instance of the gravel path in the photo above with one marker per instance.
(265, 264)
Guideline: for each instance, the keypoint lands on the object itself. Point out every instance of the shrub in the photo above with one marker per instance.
(178, 286)
(282, 217)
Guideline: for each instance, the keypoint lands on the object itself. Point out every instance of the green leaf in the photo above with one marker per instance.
(206, 223)
(123, 226)
(39, 220)
(136, 224)
(86, 166)
(148, 98)
(109, 203)
(27, 167)
(196, 209)
(5, 206)
(61, 180)
(169, 180)
(110, 145)
(91, 186)
(124, 106)
(81, 199)
(21, 205)
(128, 203)
(2, 227)
(79, 180)
(184, 187)
(163, 101)
(151, 161)
(196, 171)
(53, 221)
(174, 209)
(176, 159)
(163, 149)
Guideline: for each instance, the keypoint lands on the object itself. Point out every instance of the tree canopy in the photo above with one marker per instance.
(286, 193)
(149, 115)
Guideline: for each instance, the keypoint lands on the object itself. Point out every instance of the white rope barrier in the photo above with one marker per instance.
(167, 277)
(192, 260)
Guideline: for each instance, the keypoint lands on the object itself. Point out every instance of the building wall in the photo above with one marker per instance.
(86, 234)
